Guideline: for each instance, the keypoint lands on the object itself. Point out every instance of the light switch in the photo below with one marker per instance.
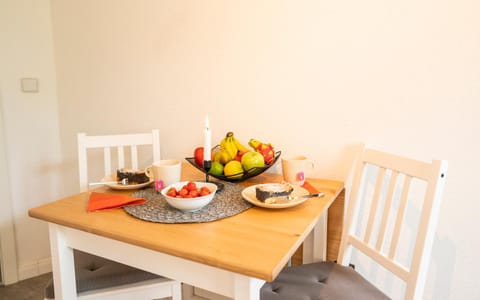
(29, 85)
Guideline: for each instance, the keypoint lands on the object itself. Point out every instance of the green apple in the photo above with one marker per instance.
(252, 159)
(216, 169)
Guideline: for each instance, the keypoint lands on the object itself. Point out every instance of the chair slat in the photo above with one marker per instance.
(108, 160)
(100, 141)
(134, 157)
(401, 164)
(156, 145)
(386, 210)
(82, 161)
(399, 217)
(390, 265)
(121, 157)
(351, 218)
(374, 204)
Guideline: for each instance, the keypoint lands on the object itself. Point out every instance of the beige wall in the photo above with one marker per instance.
(312, 77)
(8, 251)
(30, 126)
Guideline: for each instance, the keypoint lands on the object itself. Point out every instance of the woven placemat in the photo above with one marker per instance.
(226, 203)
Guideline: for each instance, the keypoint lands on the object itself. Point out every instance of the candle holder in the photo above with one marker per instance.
(207, 164)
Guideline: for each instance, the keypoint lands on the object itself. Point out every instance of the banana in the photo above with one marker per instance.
(228, 144)
(239, 145)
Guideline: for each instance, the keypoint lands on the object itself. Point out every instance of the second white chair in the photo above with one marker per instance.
(392, 215)
(99, 278)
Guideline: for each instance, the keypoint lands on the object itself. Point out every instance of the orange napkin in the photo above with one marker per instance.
(306, 185)
(99, 201)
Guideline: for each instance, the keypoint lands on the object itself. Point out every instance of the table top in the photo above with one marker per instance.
(256, 243)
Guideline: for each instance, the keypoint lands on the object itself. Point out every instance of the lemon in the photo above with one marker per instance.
(216, 169)
(233, 169)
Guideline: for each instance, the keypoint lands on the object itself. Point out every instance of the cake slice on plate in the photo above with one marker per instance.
(265, 191)
(133, 176)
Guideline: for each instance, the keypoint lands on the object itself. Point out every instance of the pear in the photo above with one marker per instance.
(222, 157)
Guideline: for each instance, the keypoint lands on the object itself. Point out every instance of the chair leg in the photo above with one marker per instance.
(177, 291)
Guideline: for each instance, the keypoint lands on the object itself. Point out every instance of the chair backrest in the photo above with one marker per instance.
(120, 141)
(384, 193)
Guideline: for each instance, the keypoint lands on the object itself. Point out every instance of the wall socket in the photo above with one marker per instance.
(29, 85)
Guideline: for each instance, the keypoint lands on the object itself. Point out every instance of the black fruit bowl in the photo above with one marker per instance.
(235, 178)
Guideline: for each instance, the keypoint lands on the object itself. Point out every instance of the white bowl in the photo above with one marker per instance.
(189, 204)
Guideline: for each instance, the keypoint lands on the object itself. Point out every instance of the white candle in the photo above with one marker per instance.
(207, 141)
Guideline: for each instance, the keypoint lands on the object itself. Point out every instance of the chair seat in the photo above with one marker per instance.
(324, 280)
(93, 273)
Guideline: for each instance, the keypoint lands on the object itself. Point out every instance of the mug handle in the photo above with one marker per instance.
(148, 172)
(310, 164)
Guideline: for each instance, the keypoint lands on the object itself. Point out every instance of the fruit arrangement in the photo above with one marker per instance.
(233, 161)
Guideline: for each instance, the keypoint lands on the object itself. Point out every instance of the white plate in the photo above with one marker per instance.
(249, 194)
(117, 186)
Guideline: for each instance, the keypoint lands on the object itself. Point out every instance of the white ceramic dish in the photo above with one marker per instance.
(189, 204)
(249, 194)
(117, 186)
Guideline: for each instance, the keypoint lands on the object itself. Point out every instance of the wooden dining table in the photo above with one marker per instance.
(233, 256)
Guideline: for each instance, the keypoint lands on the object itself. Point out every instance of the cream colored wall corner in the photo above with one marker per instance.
(8, 252)
(30, 126)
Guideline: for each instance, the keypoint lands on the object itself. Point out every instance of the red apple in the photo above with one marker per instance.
(198, 156)
(239, 155)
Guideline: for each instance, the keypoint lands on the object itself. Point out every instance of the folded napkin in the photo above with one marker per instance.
(306, 185)
(99, 201)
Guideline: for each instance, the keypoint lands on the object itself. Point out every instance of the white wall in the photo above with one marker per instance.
(8, 252)
(312, 77)
(30, 126)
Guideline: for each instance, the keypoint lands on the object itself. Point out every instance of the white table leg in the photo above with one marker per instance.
(315, 245)
(62, 265)
(247, 288)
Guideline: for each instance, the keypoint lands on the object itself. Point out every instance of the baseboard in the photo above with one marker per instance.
(34, 268)
(44, 266)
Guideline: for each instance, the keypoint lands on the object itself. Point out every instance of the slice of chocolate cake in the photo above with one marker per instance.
(265, 191)
(134, 177)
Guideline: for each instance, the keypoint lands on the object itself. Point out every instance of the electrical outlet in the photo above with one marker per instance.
(29, 85)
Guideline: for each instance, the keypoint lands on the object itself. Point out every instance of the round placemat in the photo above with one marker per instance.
(226, 203)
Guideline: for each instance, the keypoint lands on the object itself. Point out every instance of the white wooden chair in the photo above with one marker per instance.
(120, 142)
(379, 225)
(99, 278)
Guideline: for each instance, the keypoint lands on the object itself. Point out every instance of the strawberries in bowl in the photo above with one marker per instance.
(189, 195)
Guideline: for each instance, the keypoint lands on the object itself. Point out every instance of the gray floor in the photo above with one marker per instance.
(29, 289)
